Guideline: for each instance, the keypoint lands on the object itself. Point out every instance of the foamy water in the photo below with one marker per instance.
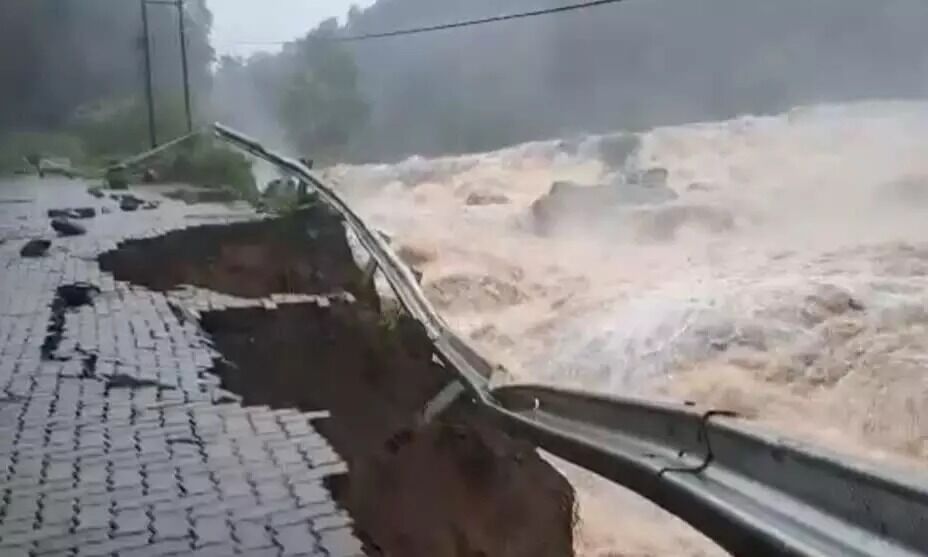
(807, 312)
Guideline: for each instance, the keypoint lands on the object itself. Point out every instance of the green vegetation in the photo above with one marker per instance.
(15, 147)
(311, 89)
(119, 128)
(320, 104)
(71, 73)
(202, 162)
(98, 137)
(58, 56)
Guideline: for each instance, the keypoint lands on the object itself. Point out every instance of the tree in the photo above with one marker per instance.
(320, 104)
(59, 55)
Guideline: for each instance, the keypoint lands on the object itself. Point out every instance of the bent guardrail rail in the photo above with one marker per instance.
(752, 492)
(397, 273)
(136, 159)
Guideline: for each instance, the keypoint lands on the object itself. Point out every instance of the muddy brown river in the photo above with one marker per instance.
(805, 310)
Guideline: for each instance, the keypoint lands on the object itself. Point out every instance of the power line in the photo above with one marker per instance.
(454, 25)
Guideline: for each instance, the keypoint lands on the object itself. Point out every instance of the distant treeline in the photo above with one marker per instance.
(69, 65)
(71, 74)
(631, 65)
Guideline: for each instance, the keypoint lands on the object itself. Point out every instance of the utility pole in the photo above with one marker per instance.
(184, 67)
(149, 95)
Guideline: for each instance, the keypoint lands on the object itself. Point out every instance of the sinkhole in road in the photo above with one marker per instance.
(454, 487)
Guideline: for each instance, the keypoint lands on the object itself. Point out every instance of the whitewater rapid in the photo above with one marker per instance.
(807, 313)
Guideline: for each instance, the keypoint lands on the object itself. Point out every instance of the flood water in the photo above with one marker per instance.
(788, 281)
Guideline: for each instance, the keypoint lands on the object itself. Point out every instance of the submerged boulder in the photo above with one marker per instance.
(909, 191)
(568, 202)
(615, 150)
(664, 222)
(486, 198)
(648, 186)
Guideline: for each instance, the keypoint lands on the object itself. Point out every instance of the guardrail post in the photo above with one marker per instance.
(442, 401)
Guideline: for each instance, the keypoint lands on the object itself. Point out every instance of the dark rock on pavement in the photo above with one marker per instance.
(65, 227)
(35, 248)
(130, 203)
(85, 212)
(78, 213)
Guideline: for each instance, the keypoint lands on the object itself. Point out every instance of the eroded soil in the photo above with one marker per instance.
(455, 487)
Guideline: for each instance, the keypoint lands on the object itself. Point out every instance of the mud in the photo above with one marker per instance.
(249, 259)
(455, 487)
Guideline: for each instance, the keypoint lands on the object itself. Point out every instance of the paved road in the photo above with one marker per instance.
(115, 439)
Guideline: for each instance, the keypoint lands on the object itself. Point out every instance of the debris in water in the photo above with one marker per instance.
(486, 198)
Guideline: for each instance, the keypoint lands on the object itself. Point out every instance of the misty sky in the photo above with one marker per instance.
(269, 20)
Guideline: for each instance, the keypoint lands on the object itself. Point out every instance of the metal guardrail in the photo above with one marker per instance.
(397, 273)
(131, 161)
(753, 493)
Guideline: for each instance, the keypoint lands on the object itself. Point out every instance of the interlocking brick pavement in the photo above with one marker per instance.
(116, 439)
